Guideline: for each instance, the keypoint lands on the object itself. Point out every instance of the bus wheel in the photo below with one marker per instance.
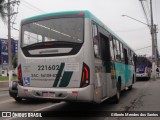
(130, 87)
(18, 99)
(117, 96)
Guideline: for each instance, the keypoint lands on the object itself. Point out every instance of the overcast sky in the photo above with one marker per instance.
(110, 12)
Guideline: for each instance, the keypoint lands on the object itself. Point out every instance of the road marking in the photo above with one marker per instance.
(49, 106)
(4, 95)
(6, 101)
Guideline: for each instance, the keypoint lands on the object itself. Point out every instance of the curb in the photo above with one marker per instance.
(4, 81)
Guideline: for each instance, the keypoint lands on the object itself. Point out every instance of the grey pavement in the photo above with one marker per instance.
(4, 85)
(150, 97)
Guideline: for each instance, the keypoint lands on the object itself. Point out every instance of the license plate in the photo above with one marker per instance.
(48, 94)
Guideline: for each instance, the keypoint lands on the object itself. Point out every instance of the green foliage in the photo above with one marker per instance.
(2, 8)
(14, 61)
(5, 78)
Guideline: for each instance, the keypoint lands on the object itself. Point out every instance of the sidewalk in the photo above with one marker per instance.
(4, 85)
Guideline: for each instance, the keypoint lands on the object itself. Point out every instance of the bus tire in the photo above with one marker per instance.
(118, 92)
(131, 86)
(18, 99)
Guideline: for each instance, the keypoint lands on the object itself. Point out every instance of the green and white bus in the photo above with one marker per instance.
(71, 56)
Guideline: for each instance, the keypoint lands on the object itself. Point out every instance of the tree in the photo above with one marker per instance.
(2, 8)
(14, 61)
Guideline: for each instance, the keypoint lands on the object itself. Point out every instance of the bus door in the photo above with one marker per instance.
(106, 63)
(126, 66)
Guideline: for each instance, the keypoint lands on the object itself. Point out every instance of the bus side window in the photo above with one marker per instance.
(115, 48)
(129, 56)
(118, 55)
(95, 40)
(122, 53)
(125, 51)
(132, 57)
(111, 48)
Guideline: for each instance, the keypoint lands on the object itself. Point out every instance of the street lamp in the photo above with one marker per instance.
(154, 48)
(136, 20)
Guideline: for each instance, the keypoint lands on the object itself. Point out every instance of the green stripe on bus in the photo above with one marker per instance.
(66, 79)
(58, 75)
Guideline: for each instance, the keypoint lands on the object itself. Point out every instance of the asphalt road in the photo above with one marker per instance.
(144, 96)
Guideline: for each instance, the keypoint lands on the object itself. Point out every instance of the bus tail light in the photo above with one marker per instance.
(20, 80)
(85, 79)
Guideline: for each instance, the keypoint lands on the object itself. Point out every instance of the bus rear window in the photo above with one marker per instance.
(60, 29)
(141, 61)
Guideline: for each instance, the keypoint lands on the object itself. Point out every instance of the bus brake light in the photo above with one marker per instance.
(85, 79)
(20, 80)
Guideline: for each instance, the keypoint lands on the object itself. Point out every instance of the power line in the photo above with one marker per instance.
(30, 7)
(144, 10)
(130, 30)
(143, 48)
(33, 7)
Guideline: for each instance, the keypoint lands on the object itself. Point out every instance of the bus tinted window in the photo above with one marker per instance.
(95, 40)
(62, 29)
(122, 54)
(111, 48)
(118, 55)
(141, 61)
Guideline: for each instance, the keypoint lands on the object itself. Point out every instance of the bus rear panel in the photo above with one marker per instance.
(51, 59)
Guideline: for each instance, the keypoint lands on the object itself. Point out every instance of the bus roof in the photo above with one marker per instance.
(86, 13)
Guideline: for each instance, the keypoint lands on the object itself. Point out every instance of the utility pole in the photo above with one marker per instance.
(9, 14)
(153, 45)
(156, 45)
(9, 43)
(153, 31)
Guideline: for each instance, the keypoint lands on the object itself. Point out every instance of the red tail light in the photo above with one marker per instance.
(20, 80)
(85, 79)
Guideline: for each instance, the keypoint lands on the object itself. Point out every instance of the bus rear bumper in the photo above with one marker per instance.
(62, 94)
(141, 75)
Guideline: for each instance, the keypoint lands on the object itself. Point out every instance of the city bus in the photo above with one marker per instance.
(143, 67)
(71, 56)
